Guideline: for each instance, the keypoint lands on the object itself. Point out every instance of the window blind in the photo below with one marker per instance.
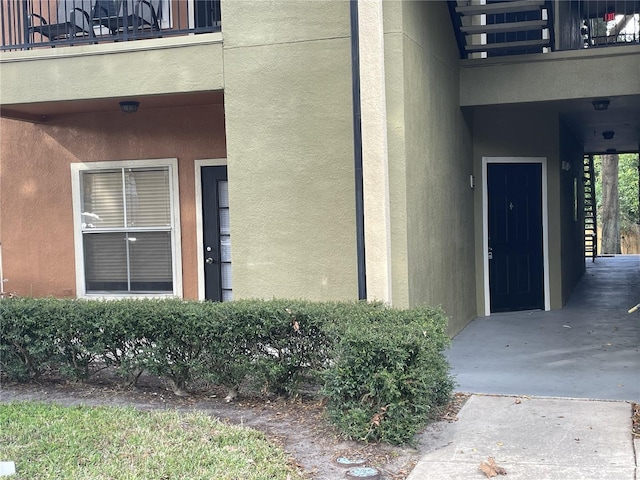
(127, 230)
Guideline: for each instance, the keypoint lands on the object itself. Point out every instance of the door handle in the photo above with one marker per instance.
(209, 260)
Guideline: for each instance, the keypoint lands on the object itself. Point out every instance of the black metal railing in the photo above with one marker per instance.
(28, 24)
(609, 22)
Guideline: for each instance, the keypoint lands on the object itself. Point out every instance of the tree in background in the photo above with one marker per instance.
(617, 199)
(610, 207)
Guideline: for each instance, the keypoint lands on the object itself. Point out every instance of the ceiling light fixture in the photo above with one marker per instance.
(129, 107)
(600, 105)
(608, 135)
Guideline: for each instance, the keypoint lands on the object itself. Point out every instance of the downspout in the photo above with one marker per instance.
(357, 151)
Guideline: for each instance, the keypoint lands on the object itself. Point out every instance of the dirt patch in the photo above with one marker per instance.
(299, 426)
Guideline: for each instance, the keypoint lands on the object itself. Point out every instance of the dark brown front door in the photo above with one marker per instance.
(515, 236)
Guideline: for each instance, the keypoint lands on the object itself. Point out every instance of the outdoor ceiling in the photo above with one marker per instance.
(47, 111)
(621, 117)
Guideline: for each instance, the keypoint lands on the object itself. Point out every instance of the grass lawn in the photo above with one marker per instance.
(48, 441)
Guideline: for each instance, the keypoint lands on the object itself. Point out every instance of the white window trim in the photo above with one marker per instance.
(485, 225)
(198, 164)
(176, 245)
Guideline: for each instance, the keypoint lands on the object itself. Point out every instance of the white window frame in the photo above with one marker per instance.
(176, 248)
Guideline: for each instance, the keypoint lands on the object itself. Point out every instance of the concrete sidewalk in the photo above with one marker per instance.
(536, 438)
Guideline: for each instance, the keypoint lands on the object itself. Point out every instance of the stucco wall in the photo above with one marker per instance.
(288, 104)
(572, 225)
(163, 65)
(513, 131)
(551, 76)
(35, 184)
(430, 159)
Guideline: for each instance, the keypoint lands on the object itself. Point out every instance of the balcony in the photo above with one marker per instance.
(495, 28)
(32, 24)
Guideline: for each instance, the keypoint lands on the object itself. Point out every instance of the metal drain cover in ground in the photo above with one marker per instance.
(363, 472)
(350, 462)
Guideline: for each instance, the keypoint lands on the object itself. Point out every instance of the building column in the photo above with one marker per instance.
(374, 151)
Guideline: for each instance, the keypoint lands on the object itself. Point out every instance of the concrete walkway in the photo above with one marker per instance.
(552, 390)
(536, 439)
(589, 349)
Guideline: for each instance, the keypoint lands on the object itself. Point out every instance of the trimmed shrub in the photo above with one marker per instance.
(382, 370)
(27, 341)
(388, 373)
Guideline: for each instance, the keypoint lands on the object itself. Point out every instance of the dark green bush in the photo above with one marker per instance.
(382, 370)
(27, 341)
(388, 373)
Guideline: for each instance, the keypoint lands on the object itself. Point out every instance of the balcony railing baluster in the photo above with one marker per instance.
(29, 24)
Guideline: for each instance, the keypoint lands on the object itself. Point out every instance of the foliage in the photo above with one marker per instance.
(627, 189)
(383, 369)
(50, 442)
(388, 374)
(26, 349)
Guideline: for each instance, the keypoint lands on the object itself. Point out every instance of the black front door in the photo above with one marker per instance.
(216, 234)
(515, 236)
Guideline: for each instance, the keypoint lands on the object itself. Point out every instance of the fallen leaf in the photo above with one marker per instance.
(376, 420)
(518, 401)
(491, 469)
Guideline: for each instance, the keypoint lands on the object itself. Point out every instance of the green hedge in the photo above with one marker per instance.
(382, 370)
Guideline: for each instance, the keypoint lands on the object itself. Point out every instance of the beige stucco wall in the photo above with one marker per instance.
(288, 104)
(153, 67)
(430, 158)
(572, 211)
(35, 184)
(512, 131)
(551, 76)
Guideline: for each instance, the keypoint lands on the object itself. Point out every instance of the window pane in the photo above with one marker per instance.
(225, 248)
(102, 203)
(224, 221)
(223, 194)
(150, 261)
(225, 271)
(105, 262)
(148, 198)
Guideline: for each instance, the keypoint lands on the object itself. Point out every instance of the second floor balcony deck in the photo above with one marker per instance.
(30, 24)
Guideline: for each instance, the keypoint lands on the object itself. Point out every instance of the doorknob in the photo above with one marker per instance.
(209, 260)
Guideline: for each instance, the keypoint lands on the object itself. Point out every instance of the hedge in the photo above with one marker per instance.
(382, 370)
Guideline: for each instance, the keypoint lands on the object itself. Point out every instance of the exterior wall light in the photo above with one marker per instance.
(129, 107)
(608, 135)
(600, 105)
